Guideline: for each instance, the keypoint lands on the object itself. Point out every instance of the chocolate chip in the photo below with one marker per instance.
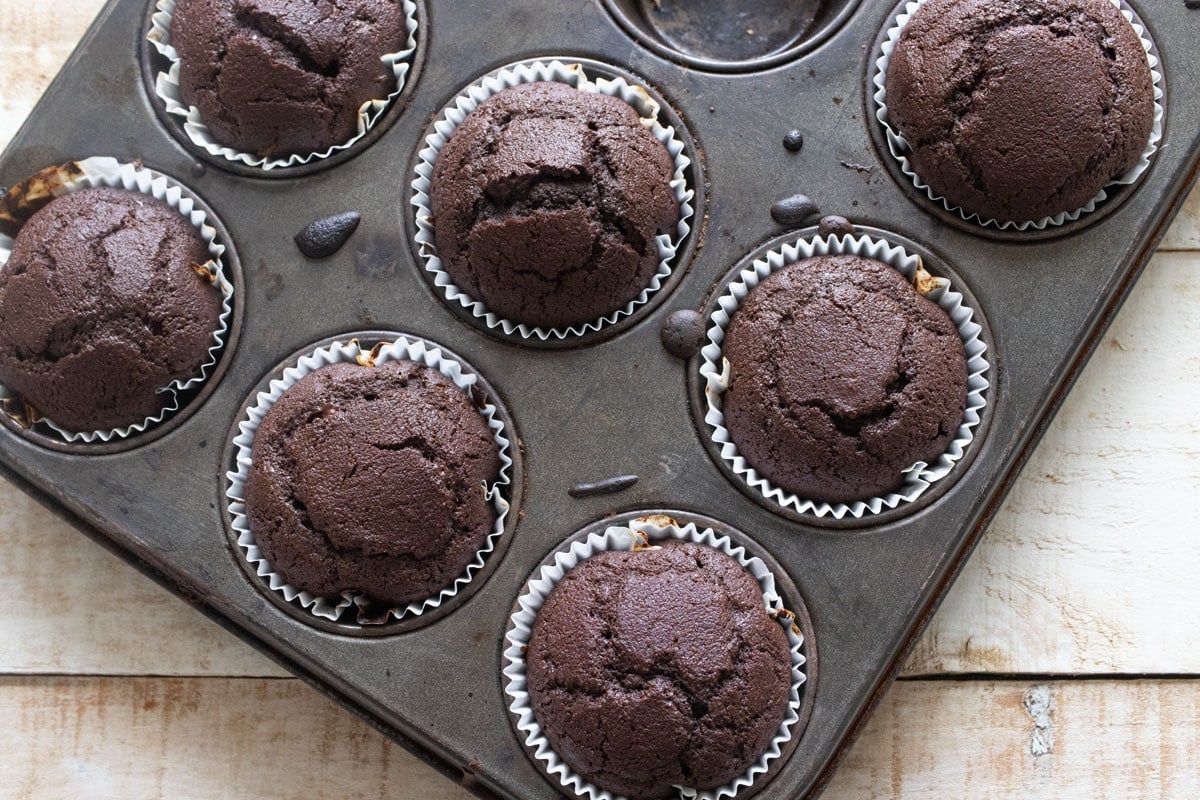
(834, 225)
(606, 486)
(792, 211)
(793, 141)
(1191, 3)
(683, 333)
(324, 237)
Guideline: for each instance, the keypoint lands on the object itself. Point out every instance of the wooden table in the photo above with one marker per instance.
(1064, 665)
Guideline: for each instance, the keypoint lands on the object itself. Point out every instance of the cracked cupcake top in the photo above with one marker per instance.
(842, 377)
(275, 78)
(658, 668)
(1018, 110)
(101, 308)
(546, 203)
(372, 479)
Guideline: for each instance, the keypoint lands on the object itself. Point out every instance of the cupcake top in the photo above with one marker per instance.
(1017, 111)
(842, 376)
(546, 203)
(102, 308)
(372, 479)
(658, 668)
(275, 78)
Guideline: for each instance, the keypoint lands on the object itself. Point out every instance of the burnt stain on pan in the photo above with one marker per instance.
(376, 256)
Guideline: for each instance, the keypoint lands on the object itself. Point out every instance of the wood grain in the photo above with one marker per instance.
(119, 739)
(114, 739)
(1083, 740)
(84, 611)
(1090, 567)
(34, 43)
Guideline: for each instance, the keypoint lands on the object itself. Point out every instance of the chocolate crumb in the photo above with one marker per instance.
(324, 237)
(793, 141)
(834, 225)
(792, 211)
(606, 486)
(683, 333)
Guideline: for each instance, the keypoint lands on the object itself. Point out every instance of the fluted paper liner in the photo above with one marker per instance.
(401, 349)
(572, 75)
(900, 149)
(166, 87)
(100, 171)
(625, 537)
(714, 372)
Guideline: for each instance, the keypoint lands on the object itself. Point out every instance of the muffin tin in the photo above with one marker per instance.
(615, 403)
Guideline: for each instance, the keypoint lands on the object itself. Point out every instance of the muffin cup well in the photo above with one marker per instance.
(400, 349)
(572, 74)
(103, 171)
(715, 371)
(166, 87)
(636, 534)
(900, 150)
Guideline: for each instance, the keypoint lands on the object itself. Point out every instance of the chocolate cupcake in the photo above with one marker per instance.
(658, 668)
(104, 303)
(275, 78)
(547, 202)
(1017, 111)
(372, 480)
(842, 377)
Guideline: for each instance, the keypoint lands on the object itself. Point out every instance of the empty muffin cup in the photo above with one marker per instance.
(648, 532)
(715, 372)
(37, 191)
(574, 75)
(716, 35)
(167, 89)
(901, 150)
(353, 606)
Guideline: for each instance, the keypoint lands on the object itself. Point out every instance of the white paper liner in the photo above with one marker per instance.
(105, 171)
(401, 349)
(572, 75)
(625, 537)
(900, 149)
(166, 86)
(715, 372)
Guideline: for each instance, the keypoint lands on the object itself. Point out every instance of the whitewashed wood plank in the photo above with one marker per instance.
(73, 607)
(1081, 740)
(200, 739)
(1090, 565)
(107, 739)
(35, 40)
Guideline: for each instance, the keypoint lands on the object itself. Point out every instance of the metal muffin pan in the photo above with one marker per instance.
(619, 405)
